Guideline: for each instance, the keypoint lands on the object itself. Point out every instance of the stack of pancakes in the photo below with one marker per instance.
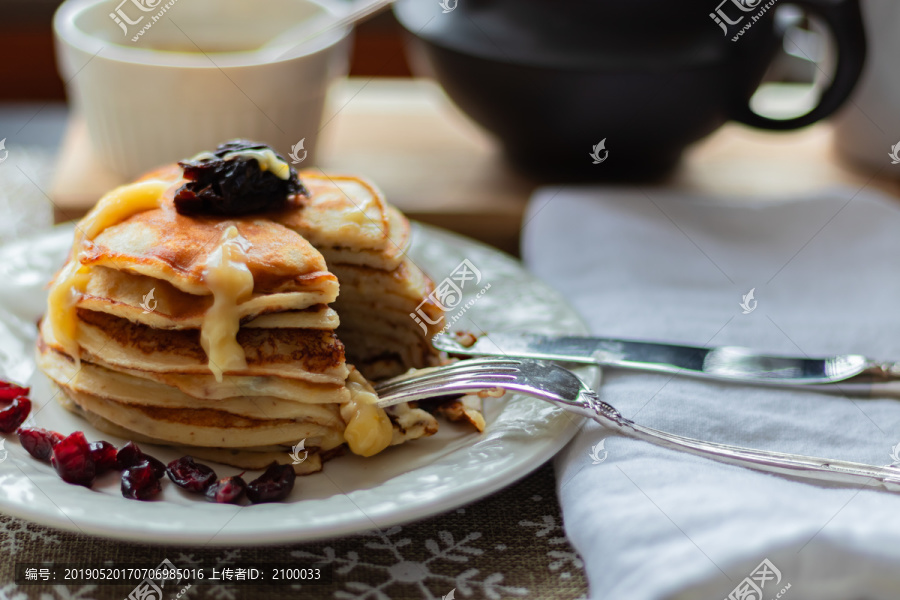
(220, 335)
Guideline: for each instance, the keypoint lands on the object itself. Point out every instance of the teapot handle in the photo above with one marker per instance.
(844, 19)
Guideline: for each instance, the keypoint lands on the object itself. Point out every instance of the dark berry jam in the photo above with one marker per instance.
(234, 186)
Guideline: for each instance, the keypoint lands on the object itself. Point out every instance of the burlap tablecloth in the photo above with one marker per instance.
(509, 545)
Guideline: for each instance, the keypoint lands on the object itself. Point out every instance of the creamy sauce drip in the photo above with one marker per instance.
(113, 208)
(231, 282)
(368, 430)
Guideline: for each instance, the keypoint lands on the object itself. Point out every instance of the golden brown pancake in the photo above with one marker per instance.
(165, 245)
(122, 294)
(347, 219)
(309, 354)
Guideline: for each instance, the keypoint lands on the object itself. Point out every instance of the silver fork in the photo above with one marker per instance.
(555, 384)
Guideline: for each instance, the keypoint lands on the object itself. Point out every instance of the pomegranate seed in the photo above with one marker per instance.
(15, 414)
(104, 455)
(73, 461)
(130, 455)
(10, 391)
(273, 485)
(159, 467)
(227, 490)
(139, 482)
(192, 476)
(38, 442)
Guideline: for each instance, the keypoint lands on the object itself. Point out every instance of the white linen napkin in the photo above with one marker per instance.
(654, 524)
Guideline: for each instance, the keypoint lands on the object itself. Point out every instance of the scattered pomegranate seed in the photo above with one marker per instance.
(10, 391)
(192, 476)
(15, 414)
(130, 455)
(39, 442)
(273, 485)
(73, 461)
(139, 482)
(104, 455)
(227, 490)
(159, 467)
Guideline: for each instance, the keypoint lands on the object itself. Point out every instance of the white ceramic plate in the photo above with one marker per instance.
(426, 477)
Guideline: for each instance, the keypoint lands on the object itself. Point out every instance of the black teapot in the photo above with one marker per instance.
(616, 89)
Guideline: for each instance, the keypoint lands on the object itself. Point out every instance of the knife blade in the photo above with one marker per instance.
(724, 362)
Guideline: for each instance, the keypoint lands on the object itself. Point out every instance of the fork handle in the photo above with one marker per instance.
(810, 467)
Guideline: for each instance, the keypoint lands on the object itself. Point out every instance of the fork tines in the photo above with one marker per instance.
(477, 366)
(463, 377)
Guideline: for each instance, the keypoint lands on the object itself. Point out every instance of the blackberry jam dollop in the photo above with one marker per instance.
(239, 178)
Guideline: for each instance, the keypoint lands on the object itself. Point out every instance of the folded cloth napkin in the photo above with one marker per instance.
(652, 523)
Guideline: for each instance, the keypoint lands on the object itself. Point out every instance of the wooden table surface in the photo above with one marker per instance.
(442, 169)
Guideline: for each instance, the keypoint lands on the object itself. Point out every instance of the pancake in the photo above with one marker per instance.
(258, 457)
(163, 244)
(207, 427)
(125, 294)
(227, 333)
(308, 354)
(242, 398)
(348, 220)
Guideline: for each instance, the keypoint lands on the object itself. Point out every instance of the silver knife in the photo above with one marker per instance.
(853, 372)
